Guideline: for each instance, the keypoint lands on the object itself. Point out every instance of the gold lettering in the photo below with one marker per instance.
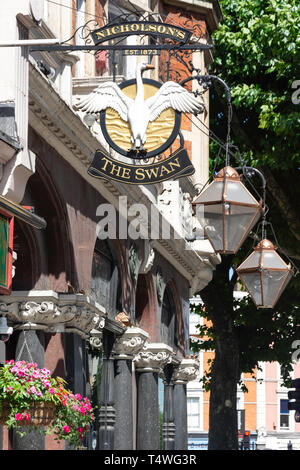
(105, 165)
(115, 30)
(181, 34)
(161, 29)
(126, 173)
(152, 172)
(152, 27)
(115, 168)
(134, 27)
(139, 174)
(100, 34)
(164, 170)
(174, 164)
(171, 31)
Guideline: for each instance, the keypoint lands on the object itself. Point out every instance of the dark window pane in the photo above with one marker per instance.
(284, 406)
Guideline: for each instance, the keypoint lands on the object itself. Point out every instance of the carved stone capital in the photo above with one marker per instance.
(186, 371)
(153, 357)
(130, 343)
(53, 312)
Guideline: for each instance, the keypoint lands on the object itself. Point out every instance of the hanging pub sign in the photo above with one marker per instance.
(141, 28)
(140, 118)
(175, 166)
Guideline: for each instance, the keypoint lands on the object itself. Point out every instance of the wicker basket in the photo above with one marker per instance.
(41, 414)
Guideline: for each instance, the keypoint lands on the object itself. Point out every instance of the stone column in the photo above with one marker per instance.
(148, 364)
(125, 348)
(168, 433)
(186, 371)
(107, 410)
(30, 348)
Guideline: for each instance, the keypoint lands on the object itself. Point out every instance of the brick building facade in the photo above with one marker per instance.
(69, 286)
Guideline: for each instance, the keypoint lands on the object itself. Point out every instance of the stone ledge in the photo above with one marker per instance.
(53, 312)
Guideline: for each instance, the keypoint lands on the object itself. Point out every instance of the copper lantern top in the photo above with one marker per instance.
(229, 173)
(265, 245)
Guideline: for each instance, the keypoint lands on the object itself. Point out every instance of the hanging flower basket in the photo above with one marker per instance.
(39, 413)
(31, 397)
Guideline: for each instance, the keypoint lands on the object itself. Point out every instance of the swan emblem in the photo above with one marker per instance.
(138, 112)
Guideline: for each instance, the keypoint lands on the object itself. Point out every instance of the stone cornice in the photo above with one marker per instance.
(53, 312)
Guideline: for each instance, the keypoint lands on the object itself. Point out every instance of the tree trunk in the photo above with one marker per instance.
(218, 300)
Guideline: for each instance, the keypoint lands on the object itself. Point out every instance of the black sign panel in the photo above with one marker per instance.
(173, 167)
(141, 28)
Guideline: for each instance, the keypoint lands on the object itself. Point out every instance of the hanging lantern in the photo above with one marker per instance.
(265, 274)
(230, 211)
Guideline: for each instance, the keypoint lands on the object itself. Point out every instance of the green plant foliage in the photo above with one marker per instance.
(257, 55)
(23, 384)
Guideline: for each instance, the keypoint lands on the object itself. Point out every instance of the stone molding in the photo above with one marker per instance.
(153, 357)
(186, 371)
(53, 312)
(130, 343)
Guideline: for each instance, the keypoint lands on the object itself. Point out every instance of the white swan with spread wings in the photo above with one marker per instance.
(138, 112)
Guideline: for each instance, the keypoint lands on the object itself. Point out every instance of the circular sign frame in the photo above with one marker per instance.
(143, 154)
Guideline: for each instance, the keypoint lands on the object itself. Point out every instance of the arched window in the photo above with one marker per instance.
(105, 279)
(169, 329)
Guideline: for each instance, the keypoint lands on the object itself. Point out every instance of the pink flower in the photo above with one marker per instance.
(78, 396)
(19, 417)
(27, 416)
(66, 429)
(51, 390)
(82, 410)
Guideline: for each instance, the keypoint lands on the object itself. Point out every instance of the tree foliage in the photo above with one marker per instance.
(257, 55)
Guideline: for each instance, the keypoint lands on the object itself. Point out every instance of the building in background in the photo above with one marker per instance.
(265, 405)
(79, 304)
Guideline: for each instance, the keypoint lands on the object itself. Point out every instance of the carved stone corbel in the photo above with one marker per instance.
(130, 343)
(186, 371)
(153, 357)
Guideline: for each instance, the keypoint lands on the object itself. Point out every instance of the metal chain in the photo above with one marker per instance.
(22, 348)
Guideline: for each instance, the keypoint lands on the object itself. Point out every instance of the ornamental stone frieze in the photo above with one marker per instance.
(153, 357)
(186, 371)
(53, 312)
(130, 343)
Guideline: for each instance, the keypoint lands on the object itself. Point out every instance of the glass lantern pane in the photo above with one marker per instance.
(214, 192)
(213, 225)
(253, 261)
(237, 192)
(272, 260)
(273, 282)
(252, 282)
(239, 220)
